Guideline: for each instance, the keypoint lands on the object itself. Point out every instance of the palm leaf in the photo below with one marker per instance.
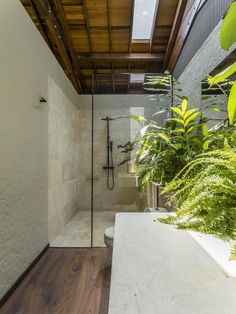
(232, 104)
(184, 105)
(228, 34)
(191, 118)
(223, 75)
(177, 120)
(177, 110)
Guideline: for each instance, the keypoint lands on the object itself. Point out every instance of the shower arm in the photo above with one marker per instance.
(109, 144)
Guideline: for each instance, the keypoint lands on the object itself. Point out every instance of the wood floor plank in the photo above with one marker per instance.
(66, 281)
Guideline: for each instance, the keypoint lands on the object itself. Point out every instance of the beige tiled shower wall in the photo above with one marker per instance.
(63, 160)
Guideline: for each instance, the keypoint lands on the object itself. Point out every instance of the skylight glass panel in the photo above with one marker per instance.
(137, 78)
(144, 11)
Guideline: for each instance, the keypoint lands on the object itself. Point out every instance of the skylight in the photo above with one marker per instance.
(137, 78)
(144, 12)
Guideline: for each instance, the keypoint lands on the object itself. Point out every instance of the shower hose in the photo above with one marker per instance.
(110, 170)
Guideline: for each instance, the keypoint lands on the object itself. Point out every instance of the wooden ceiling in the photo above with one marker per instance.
(95, 36)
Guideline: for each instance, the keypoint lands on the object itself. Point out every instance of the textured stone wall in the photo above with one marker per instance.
(26, 63)
(205, 60)
(63, 159)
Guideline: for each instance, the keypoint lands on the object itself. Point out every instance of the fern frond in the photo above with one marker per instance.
(205, 195)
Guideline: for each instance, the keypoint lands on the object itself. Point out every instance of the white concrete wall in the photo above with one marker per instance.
(25, 66)
(63, 159)
(206, 59)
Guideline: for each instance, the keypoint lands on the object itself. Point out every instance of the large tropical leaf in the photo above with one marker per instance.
(181, 130)
(192, 128)
(228, 33)
(232, 104)
(160, 112)
(188, 113)
(205, 134)
(184, 105)
(137, 118)
(143, 148)
(164, 137)
(177, 110)
(197, 142)
(177, 120)
(191, 118)
(223, 75)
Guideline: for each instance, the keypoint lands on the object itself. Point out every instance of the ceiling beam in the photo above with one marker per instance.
(44, 7)
(41, 26)
(131, 25)
(61, 14)
(131, 32)
(175, 29)
(109, 25)
(87, 25)
(154, 26)
(184, 30)
(158, 57)
(82, 27)
(110, 42)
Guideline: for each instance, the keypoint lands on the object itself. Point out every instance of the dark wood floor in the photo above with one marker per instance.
(65, 281)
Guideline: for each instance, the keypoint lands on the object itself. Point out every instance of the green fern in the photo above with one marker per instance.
(204, 193)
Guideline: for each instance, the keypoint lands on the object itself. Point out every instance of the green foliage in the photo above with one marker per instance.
(219, 80)
(163, 152)
(232, 104)
(137, 118)
(227, 39)
(228, 34)
(222, 76)
(158, 83)
(204, 193)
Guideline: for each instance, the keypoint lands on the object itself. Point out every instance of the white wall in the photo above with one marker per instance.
(206, 59)
(25, 66)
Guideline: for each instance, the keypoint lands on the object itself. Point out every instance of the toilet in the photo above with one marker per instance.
(109, 236)
(109, 233)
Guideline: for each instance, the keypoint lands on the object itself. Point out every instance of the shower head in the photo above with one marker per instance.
(107, 119)
(111, 119)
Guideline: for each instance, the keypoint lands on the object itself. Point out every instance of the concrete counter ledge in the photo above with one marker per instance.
(158, 269)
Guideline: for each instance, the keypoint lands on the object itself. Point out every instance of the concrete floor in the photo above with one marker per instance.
(77, 233)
